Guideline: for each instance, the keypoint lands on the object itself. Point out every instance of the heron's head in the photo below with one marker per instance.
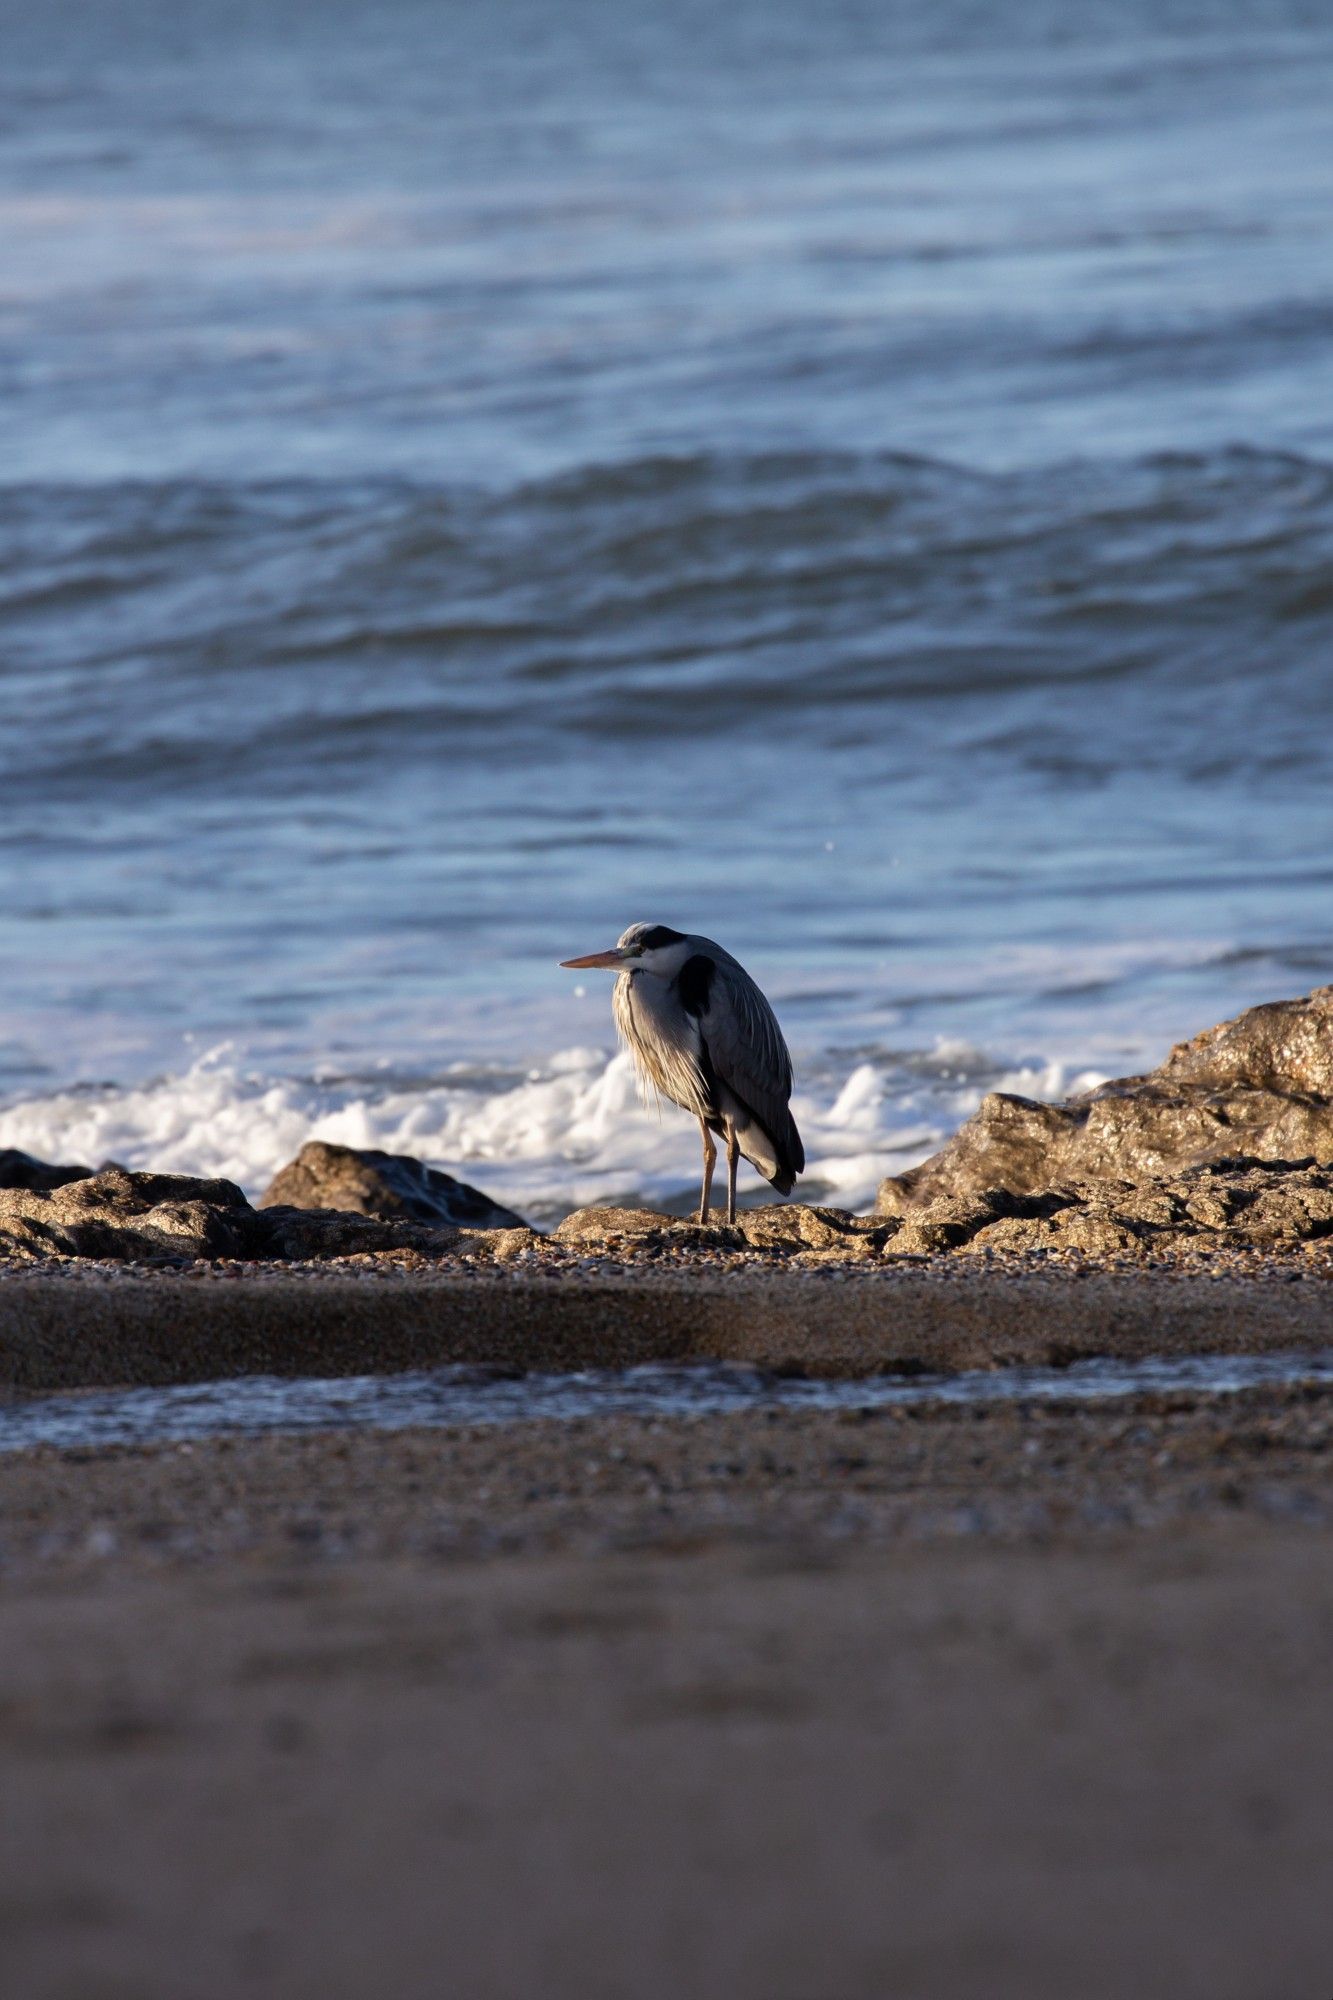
(642, 948)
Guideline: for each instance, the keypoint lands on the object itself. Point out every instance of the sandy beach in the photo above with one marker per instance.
(1024, 1700)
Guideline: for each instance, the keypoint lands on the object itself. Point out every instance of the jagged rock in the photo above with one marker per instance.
(643, 1228)
(1232, 1204)
(297, 1235)
(950, 1222)
(1285, 1046)
(790, 1227)
(1296, 1208)
(128, 1216)
(1259, 1087)
(795, 1226)
(1073, 1230)
(502, 1245)
(306, 1234)
(391, 1185)
(596, 1225)
(21, 1170)
(813, 1235)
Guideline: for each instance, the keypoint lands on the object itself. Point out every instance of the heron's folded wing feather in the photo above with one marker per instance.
(746, 1047)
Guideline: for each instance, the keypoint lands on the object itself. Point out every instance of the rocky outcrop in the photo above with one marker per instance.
(1259, 1087)
(1223, 1204)
(1228, 1204)
(790, 1228)
(393, 1186)
(1228, 1145)
(1231, 1205)
(129, 1216)
(21, 1170)
(154, 1218)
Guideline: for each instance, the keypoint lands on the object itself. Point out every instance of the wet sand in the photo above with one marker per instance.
(82, 1324)
(1029, 1701)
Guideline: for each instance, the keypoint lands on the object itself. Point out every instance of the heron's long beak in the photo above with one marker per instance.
(611, 960)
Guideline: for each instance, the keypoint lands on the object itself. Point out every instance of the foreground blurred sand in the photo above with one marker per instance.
(1024, 1701)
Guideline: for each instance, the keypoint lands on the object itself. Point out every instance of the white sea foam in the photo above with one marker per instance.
(573, 1130)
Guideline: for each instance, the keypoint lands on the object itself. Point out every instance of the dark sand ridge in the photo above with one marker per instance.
(107, 1327)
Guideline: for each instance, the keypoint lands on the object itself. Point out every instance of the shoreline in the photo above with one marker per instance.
(103, 1326)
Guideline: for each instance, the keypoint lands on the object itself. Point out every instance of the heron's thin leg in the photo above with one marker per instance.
(733, 1154)
(710, 1161)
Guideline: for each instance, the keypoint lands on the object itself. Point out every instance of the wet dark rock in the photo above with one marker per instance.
(393, 1186)
(21, 1170)
(1258, 1087)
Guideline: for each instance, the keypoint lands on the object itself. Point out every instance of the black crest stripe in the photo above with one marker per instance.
(694, 983)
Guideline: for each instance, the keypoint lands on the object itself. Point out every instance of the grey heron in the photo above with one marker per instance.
(703, 1034)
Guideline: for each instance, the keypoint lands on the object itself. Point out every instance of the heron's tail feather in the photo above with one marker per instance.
(779, 1157)
(791, 1159)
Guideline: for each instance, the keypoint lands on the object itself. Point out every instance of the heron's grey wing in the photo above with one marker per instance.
(745, 1046)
